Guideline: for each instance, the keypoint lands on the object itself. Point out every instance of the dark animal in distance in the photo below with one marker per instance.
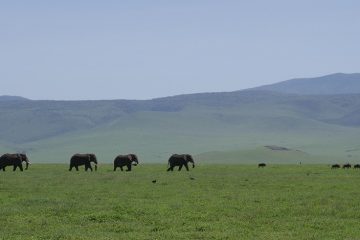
(335, 166)
(347, 165)
(153, 181)
(180, 160)
(83, 159)
(125, 160)
(357, 166)
(261, 165)
(14, 160)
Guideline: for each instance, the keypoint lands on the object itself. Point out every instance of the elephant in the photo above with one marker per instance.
(180, 160)
(335, 166)
(347, 165)
(14, 160)
(357, 166)
(261, 165)
(83, 159)
(125, 160)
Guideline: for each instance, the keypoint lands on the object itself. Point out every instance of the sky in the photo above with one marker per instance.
(84, 49)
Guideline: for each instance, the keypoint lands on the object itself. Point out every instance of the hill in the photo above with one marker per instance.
(50, 131)
(338, 83)
(12, 98)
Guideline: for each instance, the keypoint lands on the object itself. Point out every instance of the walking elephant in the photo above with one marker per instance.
(335, 166)
(347, 165)
(180, 160)
(14, 160)
(83, 159)
(261, 165)
(125, 160)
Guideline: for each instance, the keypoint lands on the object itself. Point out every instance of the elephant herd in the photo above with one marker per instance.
(176, 160)
(347, 165)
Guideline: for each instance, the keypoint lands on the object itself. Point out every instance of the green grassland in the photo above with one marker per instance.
(222, 202)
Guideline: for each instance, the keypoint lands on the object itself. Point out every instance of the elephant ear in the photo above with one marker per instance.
(130, 157)
(185, 157)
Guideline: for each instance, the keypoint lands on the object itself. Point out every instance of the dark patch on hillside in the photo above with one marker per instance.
(280, 148)
(353, 150)
(277, 148)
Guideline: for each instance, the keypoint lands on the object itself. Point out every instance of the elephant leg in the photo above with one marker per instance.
(187, 167)
(14, 168)
(180, 167)
(88, 167)
(70, 168)
(121, 168)
(128, 167)
(77, 168)
(115, 167)
(21, 168)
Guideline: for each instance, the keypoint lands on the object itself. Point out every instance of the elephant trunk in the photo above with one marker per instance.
(27, 165)
(193, 164)
(95, 167)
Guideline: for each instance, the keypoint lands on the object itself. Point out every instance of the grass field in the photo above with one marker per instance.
(221, 202)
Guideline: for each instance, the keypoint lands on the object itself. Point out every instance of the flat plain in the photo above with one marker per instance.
(211, 201)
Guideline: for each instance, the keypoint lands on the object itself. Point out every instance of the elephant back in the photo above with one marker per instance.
(120, 158)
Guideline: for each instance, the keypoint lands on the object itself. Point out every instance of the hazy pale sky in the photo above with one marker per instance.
(145, 49)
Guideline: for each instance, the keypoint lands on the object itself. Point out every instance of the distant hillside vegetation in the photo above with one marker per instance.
(338, 83)
(26, 121)
(227, 126)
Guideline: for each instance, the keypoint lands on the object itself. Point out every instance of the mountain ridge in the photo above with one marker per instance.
(337, 83)
(12, 98)
(332, 84)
